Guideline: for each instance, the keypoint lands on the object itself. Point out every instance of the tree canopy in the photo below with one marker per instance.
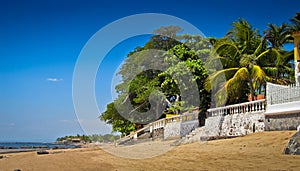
(166, 75)
(174, 73)
(249, 60)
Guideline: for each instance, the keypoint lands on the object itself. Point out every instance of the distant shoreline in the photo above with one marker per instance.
(6, 151)
(17, 147)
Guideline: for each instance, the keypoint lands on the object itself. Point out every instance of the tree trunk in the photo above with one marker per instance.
(251, 89)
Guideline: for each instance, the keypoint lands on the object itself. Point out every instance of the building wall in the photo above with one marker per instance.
(287, 121)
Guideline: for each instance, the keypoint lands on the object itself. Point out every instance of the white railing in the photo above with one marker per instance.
(279, 94)
(253, 107)
(160, 124)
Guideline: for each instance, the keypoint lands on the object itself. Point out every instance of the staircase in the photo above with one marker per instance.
(193, 136)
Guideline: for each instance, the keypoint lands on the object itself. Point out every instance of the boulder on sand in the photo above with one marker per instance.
(42, 152)
(293, 146)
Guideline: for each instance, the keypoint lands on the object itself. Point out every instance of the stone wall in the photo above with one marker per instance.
(213, 126)
(234, 125)
(242, 124)
(187, 127)
(282, 121)
(179, 129)
(158, 133)
(172, 130)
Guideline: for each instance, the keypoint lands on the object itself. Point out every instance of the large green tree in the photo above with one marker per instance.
(155, 76)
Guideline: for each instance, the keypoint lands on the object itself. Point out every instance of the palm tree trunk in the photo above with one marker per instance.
(251, 89)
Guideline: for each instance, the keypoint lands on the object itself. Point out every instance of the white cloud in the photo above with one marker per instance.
(54, 79)
(7, 124)
(69, 121)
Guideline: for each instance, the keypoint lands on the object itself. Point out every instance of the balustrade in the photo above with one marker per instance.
(279, 94)
(253, 106)
(161, 124)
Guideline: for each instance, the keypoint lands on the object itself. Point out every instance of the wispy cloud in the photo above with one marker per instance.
(54, 79)
(69, 121)
(7, 124)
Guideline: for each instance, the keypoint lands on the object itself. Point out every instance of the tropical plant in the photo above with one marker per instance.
(249, 60)
(296, 22)
(240, 52)
(155, 77)
(277, 36)
(279, 62)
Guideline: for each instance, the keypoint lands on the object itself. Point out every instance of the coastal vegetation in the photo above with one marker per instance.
(90, 138)
(69, 138)
(249, 59)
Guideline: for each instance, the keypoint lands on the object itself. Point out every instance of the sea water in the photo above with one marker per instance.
(30, 146)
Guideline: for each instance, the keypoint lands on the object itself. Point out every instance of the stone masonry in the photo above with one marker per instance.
(288, 121)
(242, 124)
(179, 129)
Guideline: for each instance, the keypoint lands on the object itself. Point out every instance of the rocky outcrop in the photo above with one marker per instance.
(293, 146)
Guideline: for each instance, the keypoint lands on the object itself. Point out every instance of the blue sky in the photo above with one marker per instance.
(40, 42)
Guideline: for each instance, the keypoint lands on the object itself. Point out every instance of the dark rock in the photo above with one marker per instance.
(293, 146)
(1, 157)
(42, 152)
(297, 151)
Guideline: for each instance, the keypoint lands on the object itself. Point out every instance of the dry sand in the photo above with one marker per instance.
(259, 151)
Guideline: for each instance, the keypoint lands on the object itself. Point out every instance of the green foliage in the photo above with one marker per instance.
(104, 138)
(84, 138)
(296, 22)
(243, 57)
(113, 117)
(177, 66)
(250, 61)
(187, 68)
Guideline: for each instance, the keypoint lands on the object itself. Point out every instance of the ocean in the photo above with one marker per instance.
(6, 147)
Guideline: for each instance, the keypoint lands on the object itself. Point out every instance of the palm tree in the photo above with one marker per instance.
(278, 66)
(277, 36)
(240, 53)
(296, 22)
(279, 63)
(248, 62)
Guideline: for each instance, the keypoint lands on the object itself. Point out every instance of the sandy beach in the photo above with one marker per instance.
(259, 151)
